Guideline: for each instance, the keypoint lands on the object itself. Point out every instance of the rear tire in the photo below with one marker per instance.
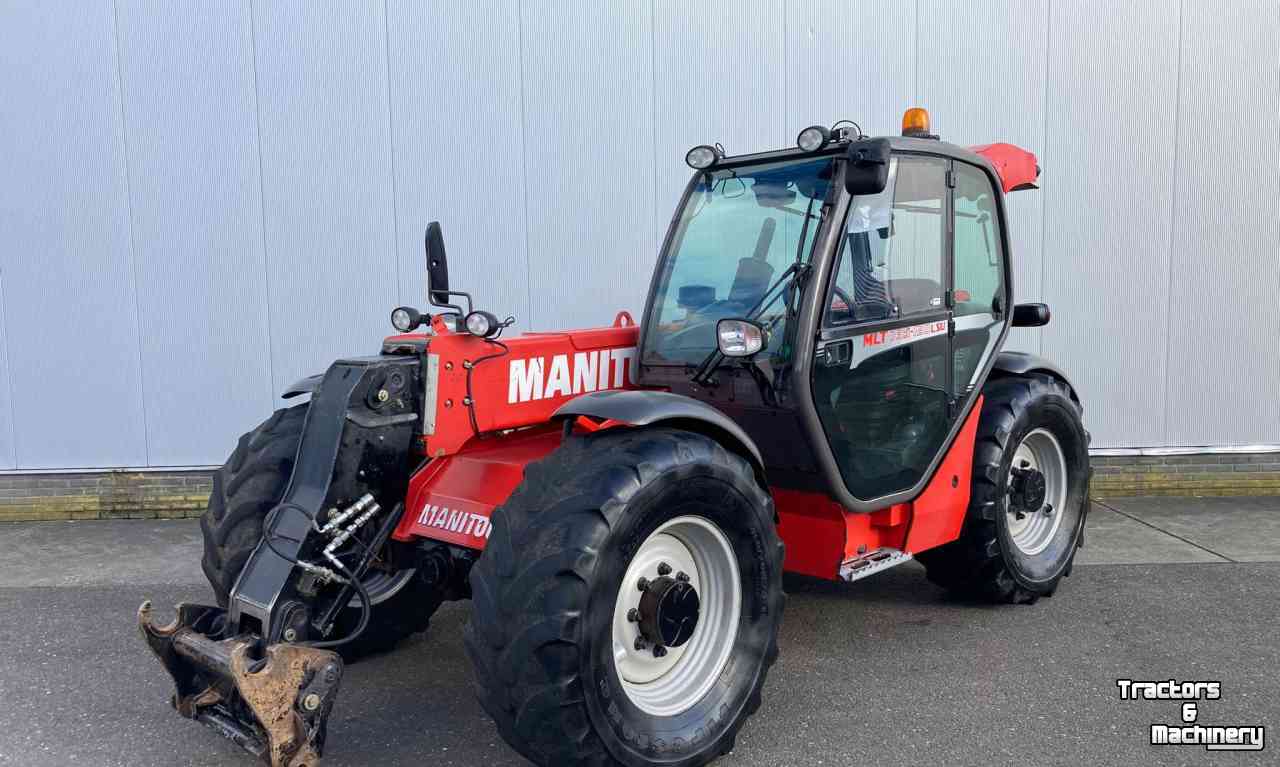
(545, 634)
(1008, 551)
(246, 488)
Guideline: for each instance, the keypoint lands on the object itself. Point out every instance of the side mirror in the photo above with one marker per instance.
(868, 170)
(437, 265)
(739, 338)
(1030, 315)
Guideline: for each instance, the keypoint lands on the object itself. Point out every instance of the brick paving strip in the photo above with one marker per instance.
(120, 494)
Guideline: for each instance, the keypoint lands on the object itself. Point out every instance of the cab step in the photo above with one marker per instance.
(871, 563)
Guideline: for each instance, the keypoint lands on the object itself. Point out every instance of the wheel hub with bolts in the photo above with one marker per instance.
(676, 615)
(1037, 489)
(1026, 489)
(668, 611)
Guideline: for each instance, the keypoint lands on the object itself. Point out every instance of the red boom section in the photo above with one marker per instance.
(520, 382)
(452, 497)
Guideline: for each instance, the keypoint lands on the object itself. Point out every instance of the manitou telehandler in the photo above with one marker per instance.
(817, 386)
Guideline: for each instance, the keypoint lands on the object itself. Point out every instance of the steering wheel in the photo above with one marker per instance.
(843, 296)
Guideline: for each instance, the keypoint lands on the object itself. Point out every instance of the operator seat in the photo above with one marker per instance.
(751, 281)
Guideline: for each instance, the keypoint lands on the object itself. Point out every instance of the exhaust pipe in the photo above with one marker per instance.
(274, 704)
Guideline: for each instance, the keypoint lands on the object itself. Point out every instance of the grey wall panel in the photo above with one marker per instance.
(854, 61)
(961, 48)
(8, 459)
(589, 159)
(328, 213)
(455, 92)
(187, 74)
(69, 304)
(1112, 72)
(268, 169)
(1224, 345)
(719, 76)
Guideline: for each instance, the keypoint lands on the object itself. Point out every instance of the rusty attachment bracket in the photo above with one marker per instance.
(274, 704)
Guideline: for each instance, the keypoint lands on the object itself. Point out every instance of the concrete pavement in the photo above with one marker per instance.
(887, 670)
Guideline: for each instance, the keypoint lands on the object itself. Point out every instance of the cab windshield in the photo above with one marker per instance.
(743, 237)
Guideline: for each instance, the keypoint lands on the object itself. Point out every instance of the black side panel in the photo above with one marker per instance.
(644, 408)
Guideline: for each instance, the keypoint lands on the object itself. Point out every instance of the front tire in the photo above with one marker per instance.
(247, 487)
(567, 676)
(1028, 499)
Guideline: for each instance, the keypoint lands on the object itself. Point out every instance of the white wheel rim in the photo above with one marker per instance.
(1040, 451)
(674, 683)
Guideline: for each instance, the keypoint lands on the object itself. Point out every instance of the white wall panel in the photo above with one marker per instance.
(849, 61)
(1112, 78)
(458, 148)
(1224, 346)
(719, 76)
(328, 213)
(588, 102)
(69, 304)
(982, 78)
(188, 85)
(7, 457)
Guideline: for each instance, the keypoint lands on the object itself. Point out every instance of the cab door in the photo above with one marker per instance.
(883, 373)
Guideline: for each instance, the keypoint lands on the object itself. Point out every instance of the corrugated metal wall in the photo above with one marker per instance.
(201, 203)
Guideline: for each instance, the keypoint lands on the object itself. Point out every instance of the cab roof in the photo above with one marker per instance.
(1015, 167)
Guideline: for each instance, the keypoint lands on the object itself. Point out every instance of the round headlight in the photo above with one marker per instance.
(405, 319)
(813, 138)
(702, 157)
(481, 324)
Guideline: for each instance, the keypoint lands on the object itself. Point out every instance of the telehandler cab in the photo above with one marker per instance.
(817, 386)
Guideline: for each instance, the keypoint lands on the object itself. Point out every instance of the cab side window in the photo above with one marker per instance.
(978, 244)
(890, 264)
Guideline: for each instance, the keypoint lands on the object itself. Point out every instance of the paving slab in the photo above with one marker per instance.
(1119, 531)
(884, 671)
(1111, 538)
(100, 552)
(1241, 529)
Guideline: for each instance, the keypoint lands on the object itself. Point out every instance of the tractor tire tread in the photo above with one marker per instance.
(543, 548)
(972, 566)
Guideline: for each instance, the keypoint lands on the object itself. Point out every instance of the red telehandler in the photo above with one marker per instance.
(816, 386)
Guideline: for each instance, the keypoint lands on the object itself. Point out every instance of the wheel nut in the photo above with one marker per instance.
(311, 702)
(659, 651)
(682, 576)
(640, 643)
(643, 583)
(633, 615)
(664, 568)
(290, 635)
(1048, 509)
